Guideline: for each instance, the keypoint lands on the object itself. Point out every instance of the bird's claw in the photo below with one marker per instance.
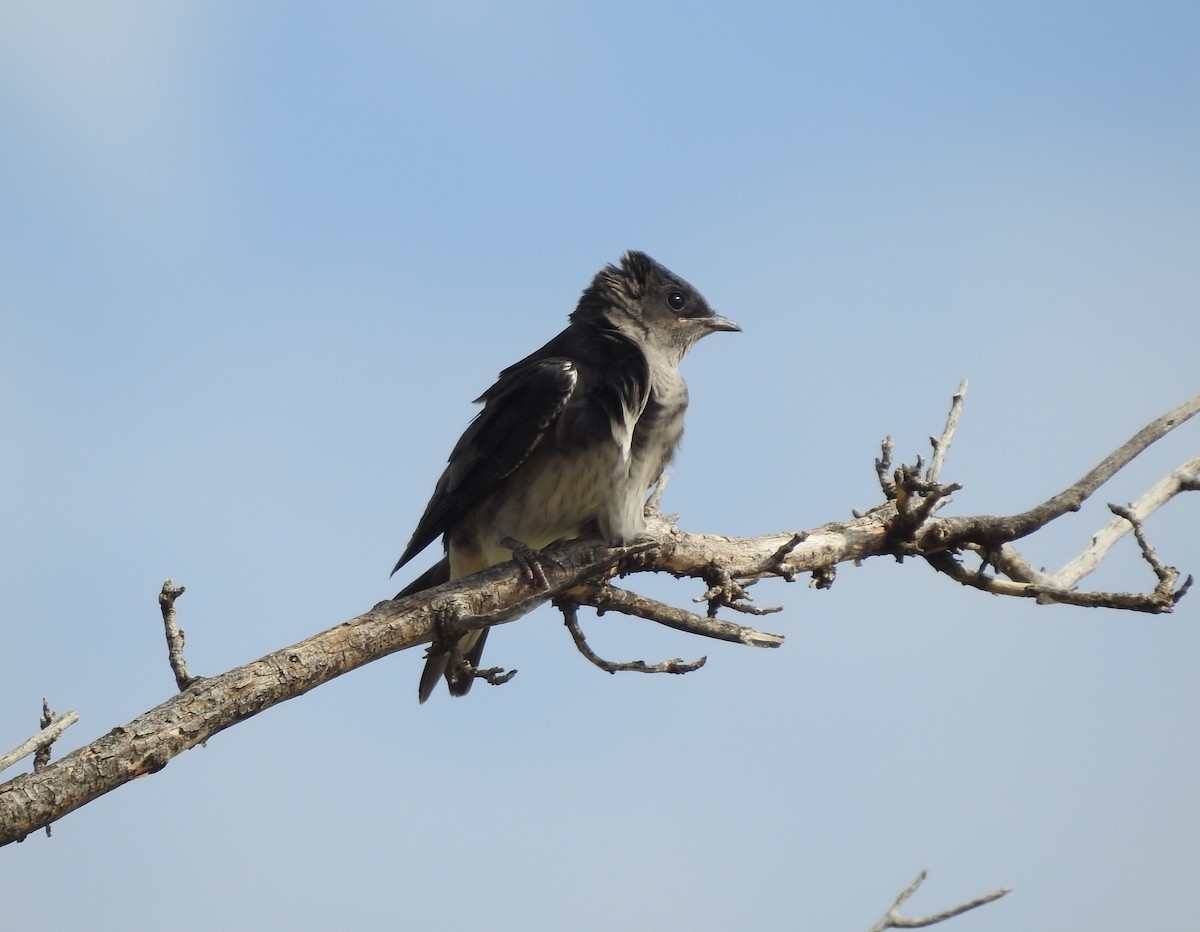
(532, 562)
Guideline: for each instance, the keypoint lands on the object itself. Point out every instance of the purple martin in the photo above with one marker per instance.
(568, 442)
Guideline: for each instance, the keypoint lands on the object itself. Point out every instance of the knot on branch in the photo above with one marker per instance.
(776, 563)
(917, 498)
(916, 490)
(725, 590)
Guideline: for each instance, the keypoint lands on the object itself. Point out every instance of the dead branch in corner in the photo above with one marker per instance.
(893, 920)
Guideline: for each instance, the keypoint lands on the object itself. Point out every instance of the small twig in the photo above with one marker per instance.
(1164, 573)
(43, 739)
(952, 533)
(1059, 588)
(1185, 478)
(893, 920)
(724, 589)
(571, 618)
(776, 563)
(941, 445)
(883, 469)
(919, 498)
(1009, 561)
(166, 601)
(1167, 575)
(41, 757)
(916, 501)
(1154, 603)
(604, 597)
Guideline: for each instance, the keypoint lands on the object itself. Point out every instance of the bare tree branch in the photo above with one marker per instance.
(604, 597)
(941, 445)
(1184, 479)
(991, 531)
(893, 920)
(1059, 586)
(210, 705)
(571, 618)
(1162, 599)
(166, 601)
(904, 525)
(43, 739)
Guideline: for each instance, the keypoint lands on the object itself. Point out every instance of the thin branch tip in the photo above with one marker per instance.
(174, 634)
(893, 920)
(941, 445)
(678, 666)
(942, 541)
(52, 728)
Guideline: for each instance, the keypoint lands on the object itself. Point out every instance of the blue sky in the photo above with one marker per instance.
(256, 259)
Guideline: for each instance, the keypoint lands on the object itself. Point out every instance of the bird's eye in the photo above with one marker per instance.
(676, 300)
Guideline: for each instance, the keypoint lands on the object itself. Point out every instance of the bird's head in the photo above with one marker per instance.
(650, 305)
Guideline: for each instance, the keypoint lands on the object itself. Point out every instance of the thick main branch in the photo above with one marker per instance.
(210, 705)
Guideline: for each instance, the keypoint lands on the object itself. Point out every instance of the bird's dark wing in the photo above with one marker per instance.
(517, 412)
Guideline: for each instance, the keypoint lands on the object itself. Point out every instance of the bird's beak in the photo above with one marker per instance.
(717, 322)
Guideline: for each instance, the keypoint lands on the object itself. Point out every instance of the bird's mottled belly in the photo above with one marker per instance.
(556, 497)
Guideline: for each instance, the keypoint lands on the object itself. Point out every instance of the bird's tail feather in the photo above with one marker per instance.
(457, 679)
(438, 664)
(434, 576)
(435, 666)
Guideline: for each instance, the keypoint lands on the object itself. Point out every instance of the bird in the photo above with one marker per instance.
(568, 442)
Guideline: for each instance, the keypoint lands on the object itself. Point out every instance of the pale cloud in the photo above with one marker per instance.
(103, 90)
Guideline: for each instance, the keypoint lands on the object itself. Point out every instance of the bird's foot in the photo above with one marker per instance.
(494, 676)
(532, 562)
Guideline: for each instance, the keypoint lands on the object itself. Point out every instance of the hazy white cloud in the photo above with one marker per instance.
(107, 93)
